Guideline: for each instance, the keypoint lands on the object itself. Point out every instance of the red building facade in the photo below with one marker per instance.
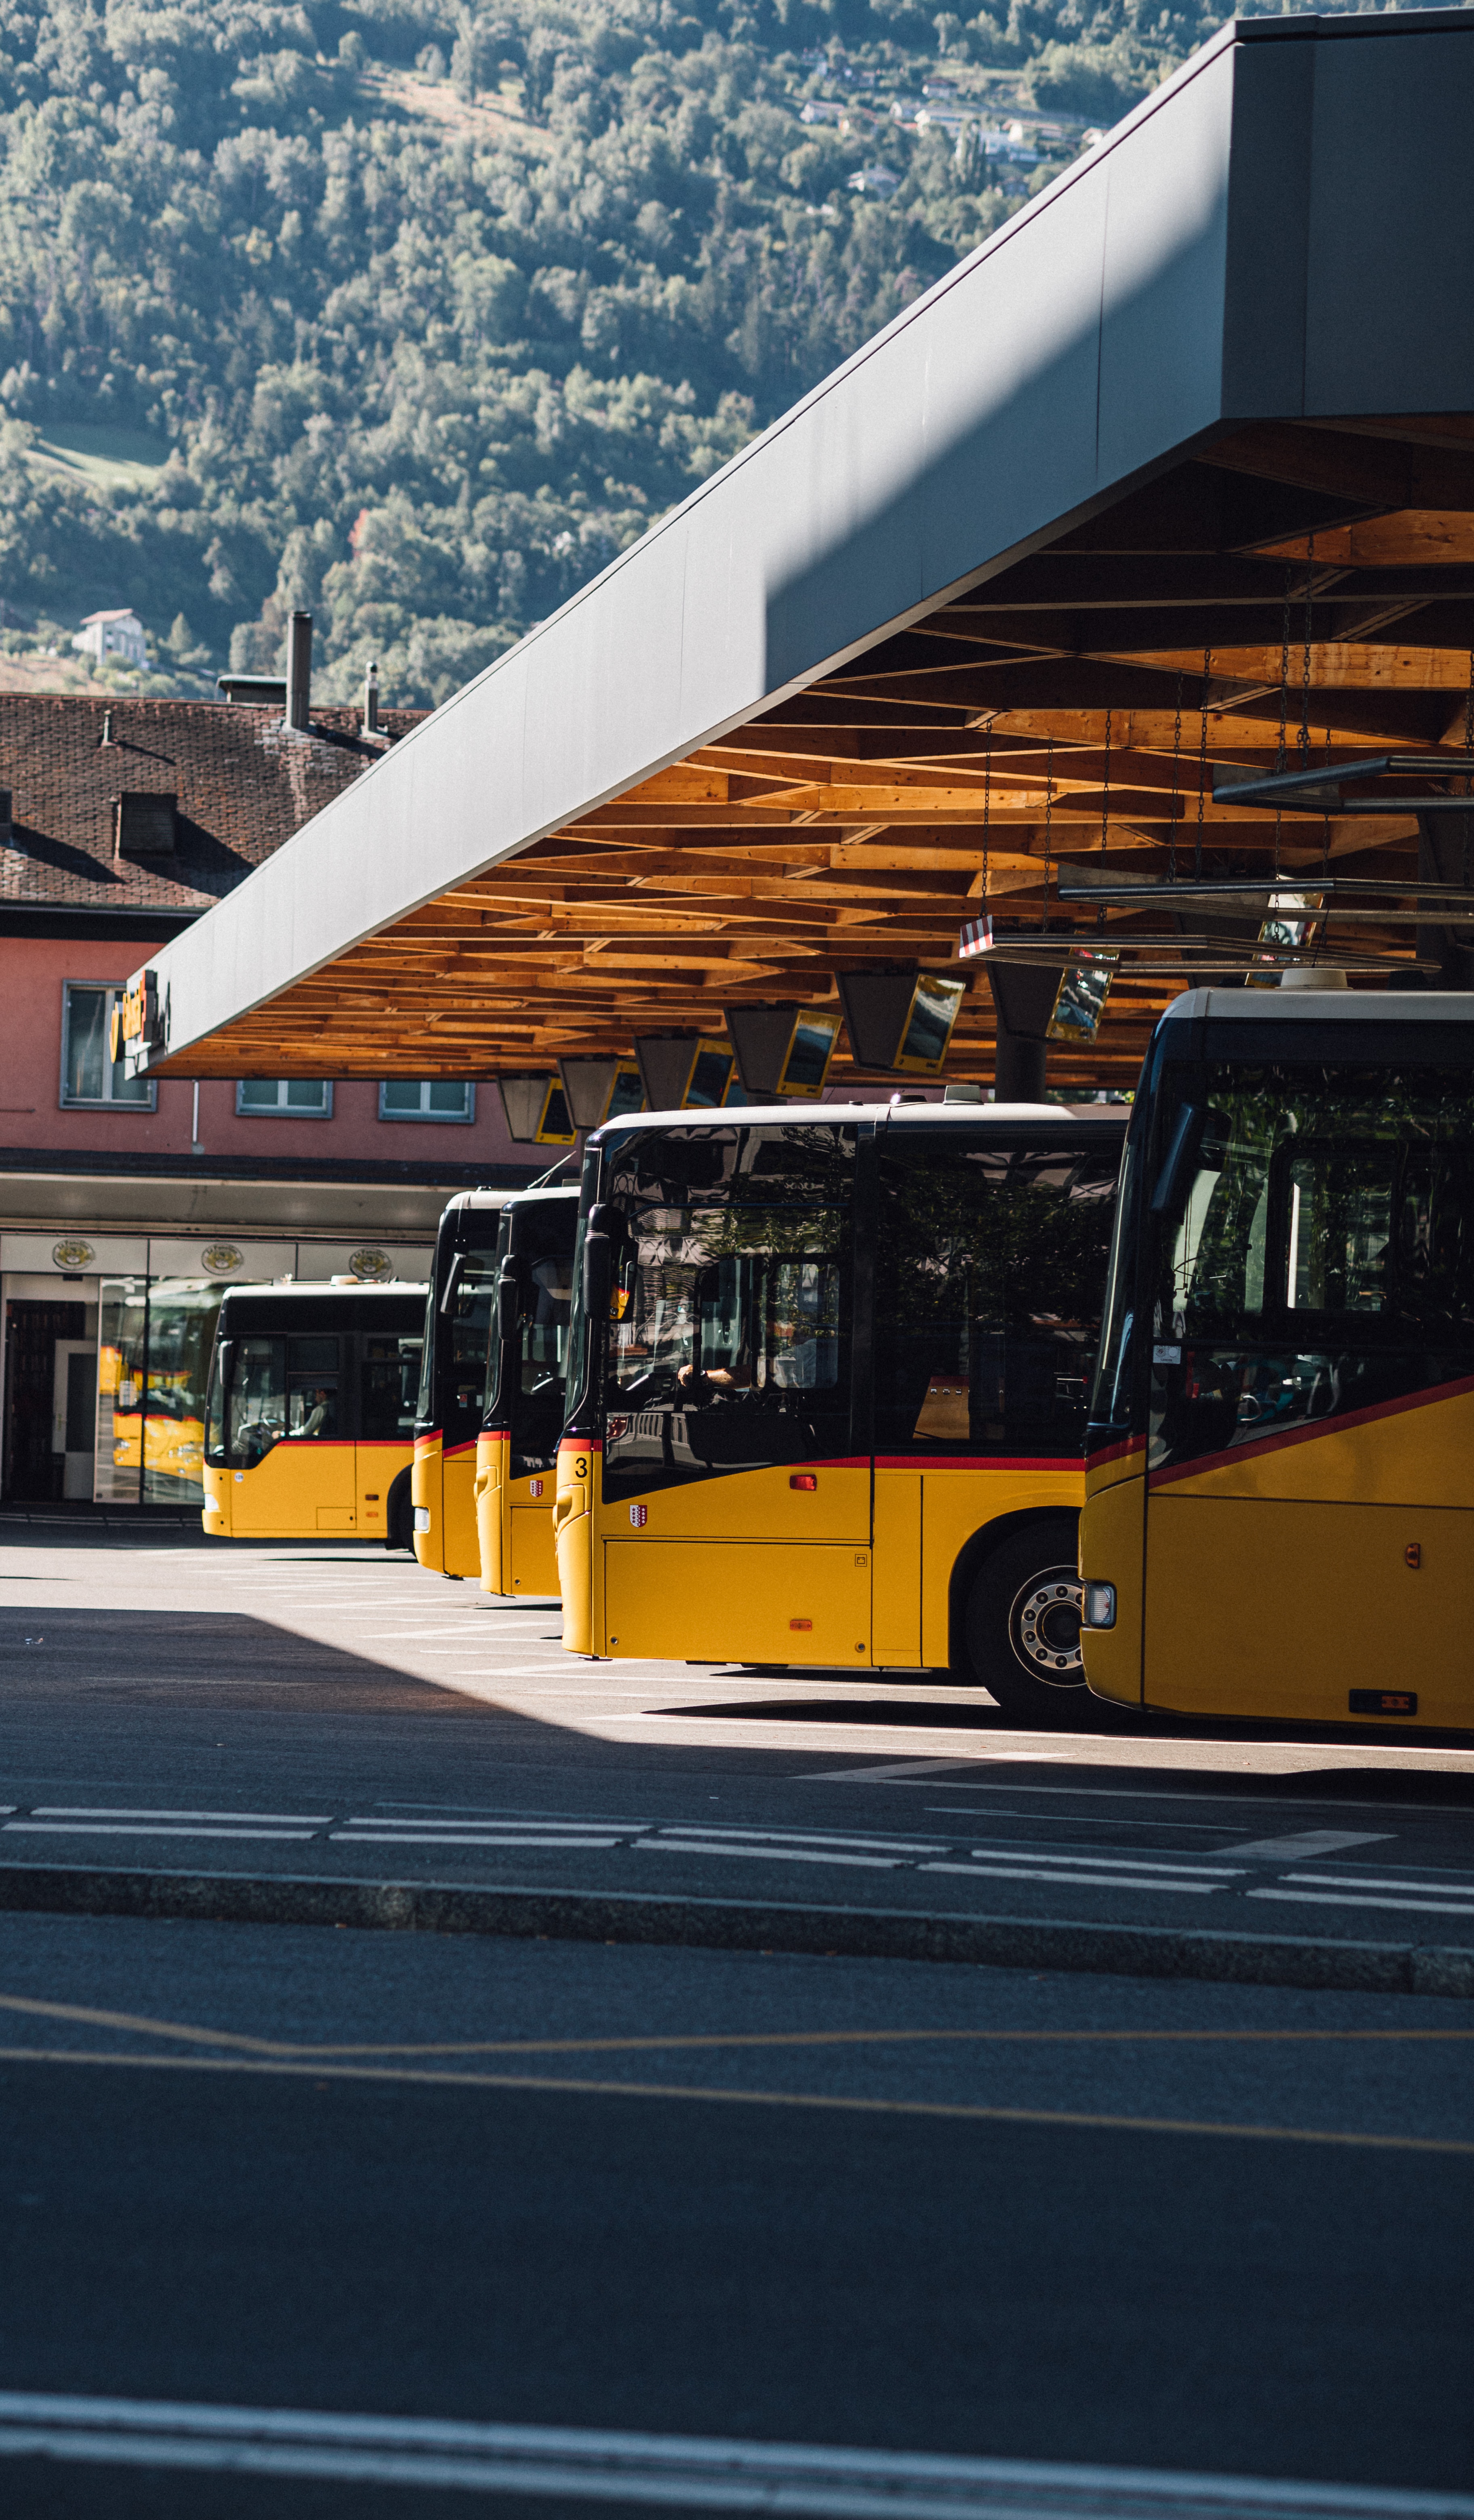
(121, 821)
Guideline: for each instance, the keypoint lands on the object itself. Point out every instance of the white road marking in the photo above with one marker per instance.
(1070, 1881)
(666, 2471)
(838, 1838)
(1309, 1842)
(131, 1810)
(1460, 1889)
(1359, 1898)
(146, 1828)
(414, 1636)
(770, 1853)
(447, 1821)
(446, 1837)
(1107, 1862)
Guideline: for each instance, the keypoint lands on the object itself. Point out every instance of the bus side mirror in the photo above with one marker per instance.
(1199, 1143)
(598, 1276)
(508, 1304)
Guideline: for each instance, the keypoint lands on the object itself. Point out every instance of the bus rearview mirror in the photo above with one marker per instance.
(598, 1276)
(1190, 1141)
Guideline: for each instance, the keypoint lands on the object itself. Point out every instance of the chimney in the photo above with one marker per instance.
(371, 701)
(300, 671)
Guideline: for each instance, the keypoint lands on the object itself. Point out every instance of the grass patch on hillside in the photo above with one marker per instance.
(111, 459)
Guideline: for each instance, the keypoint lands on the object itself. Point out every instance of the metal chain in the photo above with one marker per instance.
(1470, 757)
(1105, 809)
(1197, 853)
(987, 805)
(1470, 760)
(1048, 814)
(1284, 669)
(1048, 820)
(1176, 748)
(1284, 700)
(1304, 686)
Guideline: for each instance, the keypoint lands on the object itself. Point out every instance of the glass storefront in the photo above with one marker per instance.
(155, 1338)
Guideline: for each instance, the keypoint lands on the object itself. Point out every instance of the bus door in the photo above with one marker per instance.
(389, 1379)
(735, 1517)
(543, 1247)
(286, 1432)
(989, 1257)
(1309, 1546)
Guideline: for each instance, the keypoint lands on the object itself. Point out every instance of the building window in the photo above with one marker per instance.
(295, 1097)
(436, 1098)
(89, 1073)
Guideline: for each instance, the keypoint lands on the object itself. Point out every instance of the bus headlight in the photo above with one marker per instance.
(1100, 1606)
(422, 1517)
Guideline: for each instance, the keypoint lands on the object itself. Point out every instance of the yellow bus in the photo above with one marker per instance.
(1280, 1468)
(310, 1413)
(452, 1383)
(517, 1452)
(828, 1389)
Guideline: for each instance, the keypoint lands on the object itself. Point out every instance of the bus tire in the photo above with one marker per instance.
(400, 1516)
(1021, 1625)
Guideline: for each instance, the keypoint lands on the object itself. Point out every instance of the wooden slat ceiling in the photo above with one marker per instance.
(1058, 710)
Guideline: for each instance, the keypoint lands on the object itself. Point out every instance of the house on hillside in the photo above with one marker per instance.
(121, 821)
(113, 634)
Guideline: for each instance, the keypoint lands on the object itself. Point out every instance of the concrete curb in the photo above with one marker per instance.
(739, 1924)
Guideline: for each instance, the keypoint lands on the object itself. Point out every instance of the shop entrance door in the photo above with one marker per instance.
(74, 1414)
(36, 1466)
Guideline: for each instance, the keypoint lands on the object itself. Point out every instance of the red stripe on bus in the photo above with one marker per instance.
(458, 1452)
(1116, 1452)
(1256, 1449)
(976, 1461)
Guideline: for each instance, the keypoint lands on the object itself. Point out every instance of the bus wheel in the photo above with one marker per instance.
(400, 1520)
(1021, 1627)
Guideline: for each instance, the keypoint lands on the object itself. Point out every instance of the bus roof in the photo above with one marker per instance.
(1003, 1115)
(1323, 1006)
(318, 1289)
(492, 1198)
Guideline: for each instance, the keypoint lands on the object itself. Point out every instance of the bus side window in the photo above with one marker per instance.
(257, 1414)
(387, 1383)
(312, 1389)
(991, 1265)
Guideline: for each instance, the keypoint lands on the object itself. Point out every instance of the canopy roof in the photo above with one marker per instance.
(1175, 472)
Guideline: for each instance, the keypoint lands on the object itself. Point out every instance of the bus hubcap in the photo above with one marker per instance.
(1045, 1627)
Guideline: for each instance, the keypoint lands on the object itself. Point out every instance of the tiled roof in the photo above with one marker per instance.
(243, 781)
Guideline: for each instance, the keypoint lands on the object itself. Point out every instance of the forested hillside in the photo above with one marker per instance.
(416, 312)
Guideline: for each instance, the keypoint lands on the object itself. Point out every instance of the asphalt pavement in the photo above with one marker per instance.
(338, 1712)
(296, 2220)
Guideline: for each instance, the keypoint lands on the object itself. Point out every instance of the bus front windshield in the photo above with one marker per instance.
(526, 1376)
(457, 1328)
(730, 1338)
(1312, 1242)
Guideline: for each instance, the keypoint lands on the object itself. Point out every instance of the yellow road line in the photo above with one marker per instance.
(199, 2036)
(445, 2079)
